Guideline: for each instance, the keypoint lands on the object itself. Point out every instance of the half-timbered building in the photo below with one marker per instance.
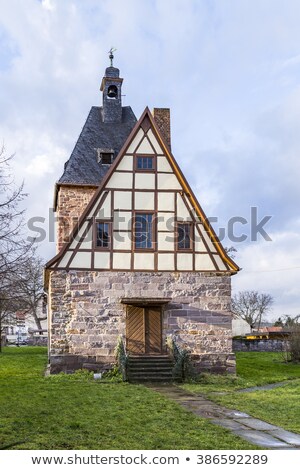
(137, 257)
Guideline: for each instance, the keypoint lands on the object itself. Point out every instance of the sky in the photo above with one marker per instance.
(229, 70)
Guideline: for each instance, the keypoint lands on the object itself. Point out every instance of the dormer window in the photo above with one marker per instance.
(105, 156)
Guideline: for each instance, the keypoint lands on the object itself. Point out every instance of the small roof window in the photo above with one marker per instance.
(105, 156)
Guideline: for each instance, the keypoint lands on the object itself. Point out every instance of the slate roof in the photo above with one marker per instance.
(82, 166)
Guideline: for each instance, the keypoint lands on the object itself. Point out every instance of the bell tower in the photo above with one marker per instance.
(111, 87)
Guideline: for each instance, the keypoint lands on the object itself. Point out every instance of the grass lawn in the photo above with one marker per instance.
(253, 369)
(76, 412)
(278, 406)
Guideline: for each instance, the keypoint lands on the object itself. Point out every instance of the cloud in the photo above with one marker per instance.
(272, 267)
(48, 5)
(230, 76)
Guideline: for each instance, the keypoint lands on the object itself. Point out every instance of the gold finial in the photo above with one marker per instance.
(111, 55)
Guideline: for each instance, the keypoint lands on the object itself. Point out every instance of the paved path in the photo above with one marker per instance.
(251, 429)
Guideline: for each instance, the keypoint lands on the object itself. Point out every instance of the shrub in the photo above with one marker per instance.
(291, 347)
(294, 346)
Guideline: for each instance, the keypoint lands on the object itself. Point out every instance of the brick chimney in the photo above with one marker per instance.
(162, 119)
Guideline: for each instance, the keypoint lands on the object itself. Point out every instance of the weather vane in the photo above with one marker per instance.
(111, 55)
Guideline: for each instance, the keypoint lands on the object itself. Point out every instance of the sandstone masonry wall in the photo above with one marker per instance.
(87, 316)
(71, 202)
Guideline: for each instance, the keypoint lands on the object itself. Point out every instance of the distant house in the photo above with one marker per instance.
(143, 262)
(271, 332)
(19, 328)
(239, 326)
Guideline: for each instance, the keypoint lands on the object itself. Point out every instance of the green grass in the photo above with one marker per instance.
(279, 406)
(253, 369)
(76, 412)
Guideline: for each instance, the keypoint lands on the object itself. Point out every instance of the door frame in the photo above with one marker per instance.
(145, 319)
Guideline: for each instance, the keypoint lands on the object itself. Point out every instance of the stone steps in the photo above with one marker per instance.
(150, 369)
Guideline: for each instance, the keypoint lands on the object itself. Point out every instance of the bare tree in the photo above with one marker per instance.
(29, 285)
(251, 306)
(14, 249)
(231, 251)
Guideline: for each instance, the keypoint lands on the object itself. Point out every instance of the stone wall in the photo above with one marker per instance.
(71, 202)
(87, 316)
(258, 345)
(38, 341)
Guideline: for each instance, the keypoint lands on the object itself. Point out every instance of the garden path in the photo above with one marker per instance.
(253, 430)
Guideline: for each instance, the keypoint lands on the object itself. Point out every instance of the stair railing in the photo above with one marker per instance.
(122, 358)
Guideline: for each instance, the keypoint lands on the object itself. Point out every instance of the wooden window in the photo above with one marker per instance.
(143, 230)
(144, 163)
(184, 236)
(103, 235)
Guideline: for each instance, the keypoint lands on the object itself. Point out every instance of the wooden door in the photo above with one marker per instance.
(153, 330)
(143, 330)
(135, 330)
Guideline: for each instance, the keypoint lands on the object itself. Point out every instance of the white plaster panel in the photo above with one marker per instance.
(219, 262)
(74, 242)
(204, 263)
(63, 263)
(182, 211)
(165, 201)
(123, 200)
(165, 262)
(194, 213)
(102, 260)
(82, 259)
(143, 201)
(145, 147)
(145, 181)
(165, 241)
(121, 260)
(105, 210)
(122, 220)
(199, 245)
(206, 237)
(79, 235)
(163, 165)
(144, 261)
(122, 241)
(154, 142)
(165, 222)
(167, 181)
(135, 141)
(126, 163)
(184, 262)
(120, 181)
(87, 241)
(82, 230)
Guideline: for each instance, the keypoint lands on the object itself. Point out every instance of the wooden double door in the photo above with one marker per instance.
(143, 330)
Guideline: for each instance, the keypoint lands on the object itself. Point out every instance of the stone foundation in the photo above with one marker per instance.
(87, 317)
